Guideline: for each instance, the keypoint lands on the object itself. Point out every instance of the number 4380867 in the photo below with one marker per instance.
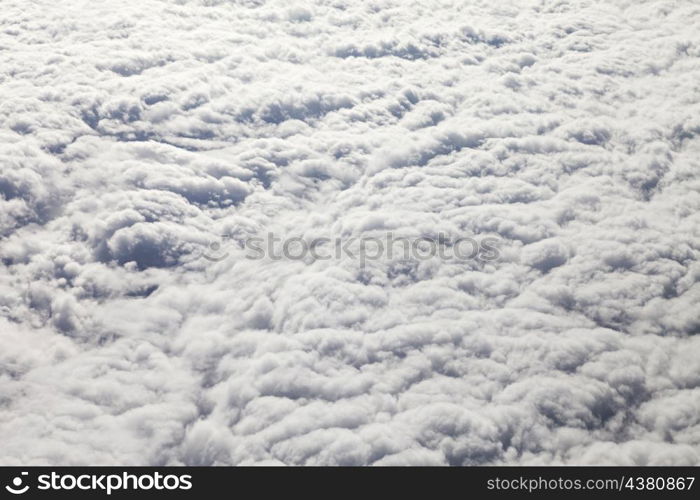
(660, 483)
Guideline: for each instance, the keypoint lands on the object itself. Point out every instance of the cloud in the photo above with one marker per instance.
(138, 140)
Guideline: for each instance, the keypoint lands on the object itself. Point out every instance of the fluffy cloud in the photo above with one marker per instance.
(134, 138)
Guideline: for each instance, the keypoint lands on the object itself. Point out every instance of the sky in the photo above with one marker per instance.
(144, 144)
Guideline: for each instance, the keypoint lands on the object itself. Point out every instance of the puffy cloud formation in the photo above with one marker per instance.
(133, 136)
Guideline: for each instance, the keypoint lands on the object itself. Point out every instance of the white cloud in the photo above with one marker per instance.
(133, 138)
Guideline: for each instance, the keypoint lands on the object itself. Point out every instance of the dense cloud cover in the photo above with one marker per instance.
(134, 134)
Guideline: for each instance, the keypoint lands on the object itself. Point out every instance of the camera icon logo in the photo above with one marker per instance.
(16, 487)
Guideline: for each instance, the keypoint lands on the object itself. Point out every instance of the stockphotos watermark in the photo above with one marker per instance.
(364, 249)
(104, 483)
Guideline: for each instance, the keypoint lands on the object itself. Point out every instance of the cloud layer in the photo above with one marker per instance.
(133, 137)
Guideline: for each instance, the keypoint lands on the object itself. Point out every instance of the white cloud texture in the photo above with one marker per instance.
(135, 134)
